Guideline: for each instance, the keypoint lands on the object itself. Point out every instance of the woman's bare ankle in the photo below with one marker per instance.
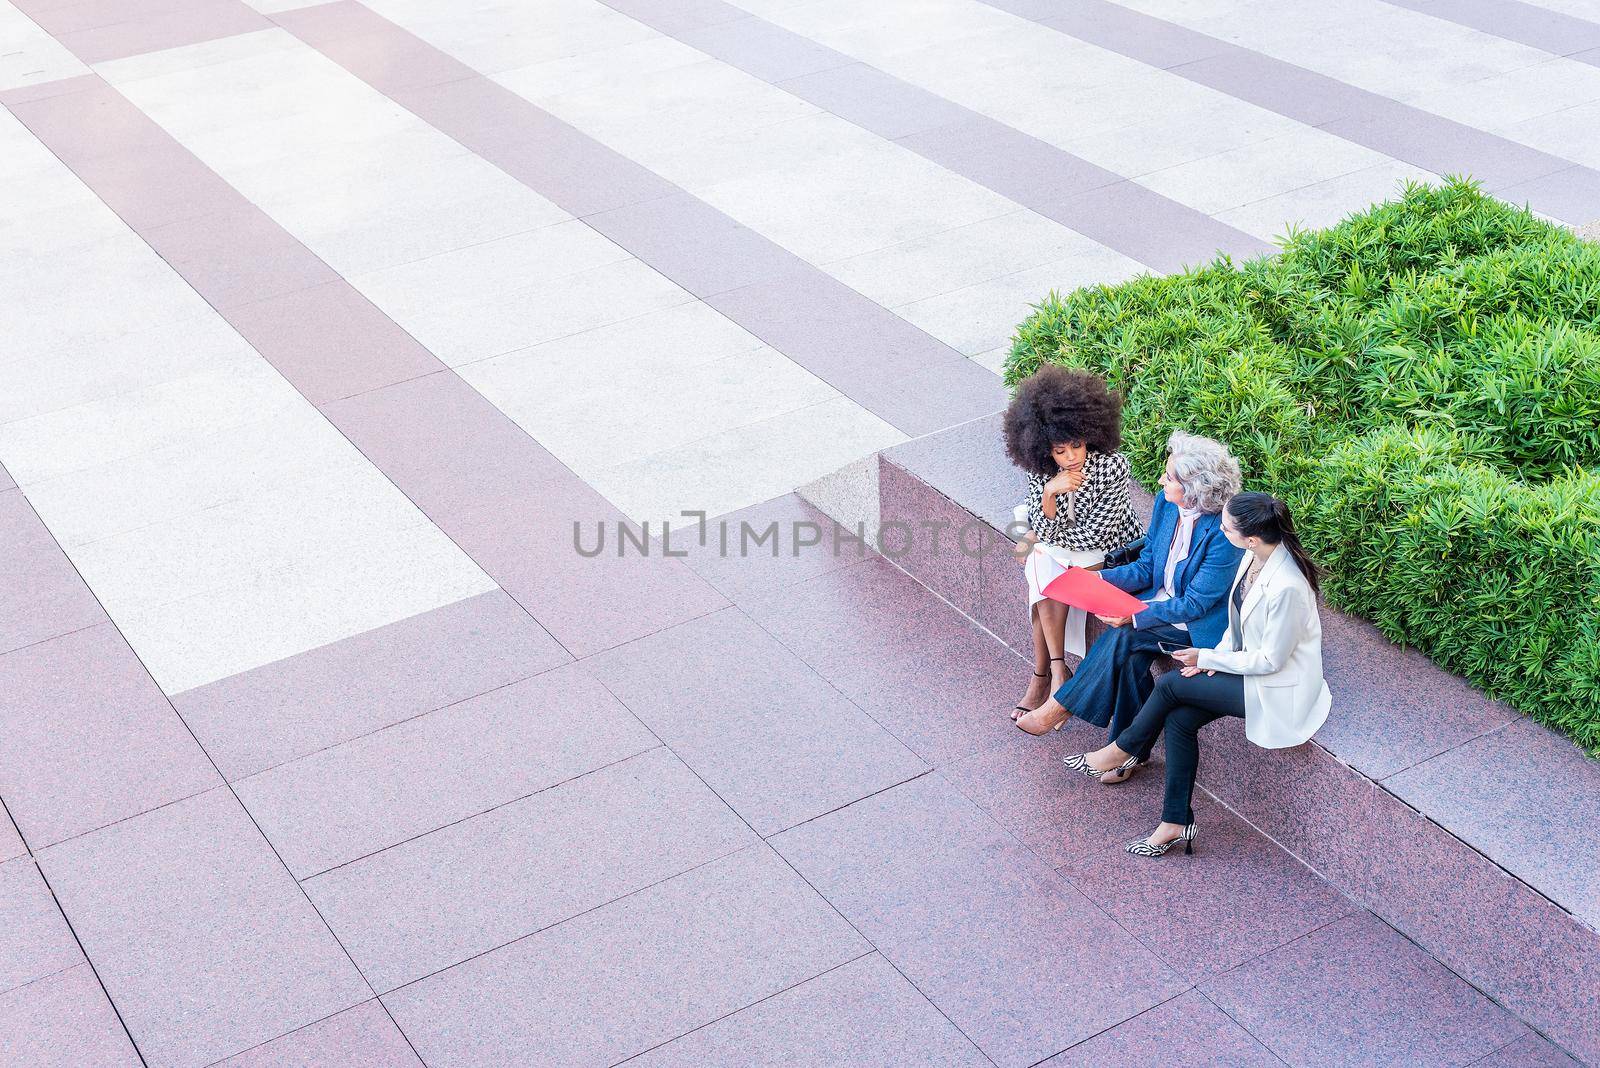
(1058, 675)
(1106, 758)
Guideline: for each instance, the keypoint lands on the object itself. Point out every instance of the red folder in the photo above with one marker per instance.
(1088, 591)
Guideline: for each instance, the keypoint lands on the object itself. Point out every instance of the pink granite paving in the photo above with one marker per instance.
(697, 809)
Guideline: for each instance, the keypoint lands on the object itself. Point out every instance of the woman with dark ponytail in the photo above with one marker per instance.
(1267, 669)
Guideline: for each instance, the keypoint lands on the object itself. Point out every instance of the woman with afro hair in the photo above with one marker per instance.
(1064, 428)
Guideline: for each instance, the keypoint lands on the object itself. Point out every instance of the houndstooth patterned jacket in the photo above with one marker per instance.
(1097, 517)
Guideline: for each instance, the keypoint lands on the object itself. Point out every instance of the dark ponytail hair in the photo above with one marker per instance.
(1261, 515)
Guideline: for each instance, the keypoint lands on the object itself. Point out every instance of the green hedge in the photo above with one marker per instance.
(1422, 384)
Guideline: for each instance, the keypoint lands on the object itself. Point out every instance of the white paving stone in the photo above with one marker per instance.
(967, 255)
(1581, 9)
(1264, 169)
(1555, 133)
(1325, 203)
(983, 317)
(491, 35)
(1111, 110)
(217, 516)
(28, 55)
(750, 463)
(1432, 63)
(816, 184)
(478, 268)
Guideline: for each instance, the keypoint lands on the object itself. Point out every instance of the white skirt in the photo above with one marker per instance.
(1041, 568)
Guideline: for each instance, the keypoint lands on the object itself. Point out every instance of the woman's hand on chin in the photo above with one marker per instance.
(1067, 480)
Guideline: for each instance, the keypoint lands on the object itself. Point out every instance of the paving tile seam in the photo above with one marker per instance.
(766, 842)
(93, 969)
(224, 784)
(339, 280)
(563, 337)
(1507, 19)
(1557, 164)
(800, 875)
(1211, 979)
(1259, 1041)
(44, 849)
(1490, 732)
(53, 637)
(286, 870)
(292, 1031)
(1520, 1038)
(297, 386)
(888, 958)
(1106, 1030)
(576, 915)
(796, 264)
(817, 670)
(1374, 105)
(742, 425)
(399, 722)
(1284, 192)
(1356, 909)
(1364, 907)
(317, 911)
(1507, 872)
(5, 811)
(864, 797)
(401, 1031)
(165, 698)
(492, 808)
(1447, 966)
(1067, 161)
(306, 1026)
(1057, 871)
(47, 975)
(518, 349)
(1387, 792)
(742, 1008)
(775, 851)
(636, 714)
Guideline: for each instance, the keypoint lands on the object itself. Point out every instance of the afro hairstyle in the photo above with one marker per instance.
(1055, 405)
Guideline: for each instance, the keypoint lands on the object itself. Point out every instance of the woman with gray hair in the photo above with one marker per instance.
(1182, 575)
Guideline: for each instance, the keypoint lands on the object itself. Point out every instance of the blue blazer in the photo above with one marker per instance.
(1200, 583)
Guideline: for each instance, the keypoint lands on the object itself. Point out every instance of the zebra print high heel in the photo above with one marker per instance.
(1143, 848)
(1080, 762)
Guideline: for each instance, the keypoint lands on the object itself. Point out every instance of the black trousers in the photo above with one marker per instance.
(1182, 706)
(1113, 682)
(1134, 681)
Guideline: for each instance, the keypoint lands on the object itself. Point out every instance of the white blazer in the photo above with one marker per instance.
(1285, 697)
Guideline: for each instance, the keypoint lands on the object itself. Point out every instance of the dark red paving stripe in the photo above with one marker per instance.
(1506, 168)
(909, 379)
(99, 30)
(461, 460)
(1100, 204)
(1555, 32)
(86, 737)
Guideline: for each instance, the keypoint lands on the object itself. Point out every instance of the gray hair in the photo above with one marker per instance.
(1206, 472)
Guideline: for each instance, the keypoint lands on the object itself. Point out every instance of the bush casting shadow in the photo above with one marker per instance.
(1422, 384)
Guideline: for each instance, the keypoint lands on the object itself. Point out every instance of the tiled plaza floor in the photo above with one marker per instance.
(323, 324)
